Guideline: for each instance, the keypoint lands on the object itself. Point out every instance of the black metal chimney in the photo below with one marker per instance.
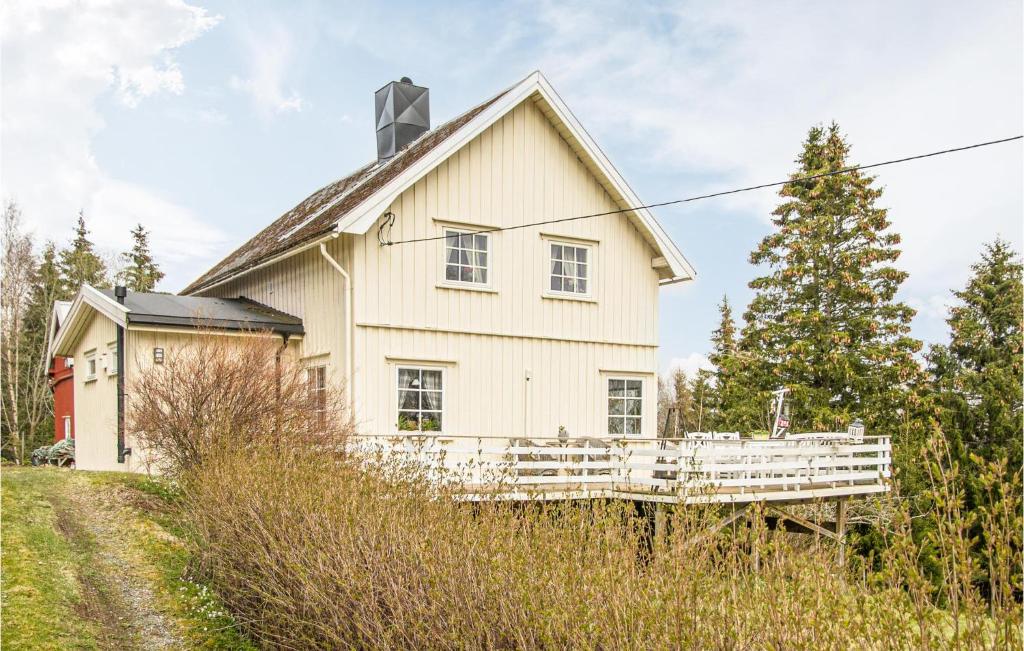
(402, 115)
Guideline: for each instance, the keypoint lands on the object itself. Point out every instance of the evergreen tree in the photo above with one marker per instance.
(46, 288)
(978, 378)
(140, 273)
(682, 400)
(734, 406)
(703, 400)
(79, 264)
(825, 321)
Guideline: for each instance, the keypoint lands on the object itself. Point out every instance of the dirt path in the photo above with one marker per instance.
(97, 520)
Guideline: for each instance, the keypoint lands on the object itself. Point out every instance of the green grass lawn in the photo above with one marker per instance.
(96, 561)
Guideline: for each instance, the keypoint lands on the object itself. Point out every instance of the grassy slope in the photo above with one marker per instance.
(83, 554)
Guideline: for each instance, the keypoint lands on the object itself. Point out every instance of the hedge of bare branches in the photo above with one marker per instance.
(316, 549)
(222, 392)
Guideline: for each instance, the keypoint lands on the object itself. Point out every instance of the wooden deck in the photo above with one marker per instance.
(685, 471)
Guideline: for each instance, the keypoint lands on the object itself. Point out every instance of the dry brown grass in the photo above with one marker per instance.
(342, 552)
(317, 550)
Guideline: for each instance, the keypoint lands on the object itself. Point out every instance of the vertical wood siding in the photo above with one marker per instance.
(305, 286)
(96, 400)
(519, 170)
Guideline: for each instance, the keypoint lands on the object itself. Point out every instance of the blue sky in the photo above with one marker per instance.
(206, 120)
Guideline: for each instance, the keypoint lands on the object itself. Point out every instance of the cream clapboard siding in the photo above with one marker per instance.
(306, 286)
(519, 170)
(96, 400)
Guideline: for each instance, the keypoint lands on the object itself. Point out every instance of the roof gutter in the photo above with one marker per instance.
(349, 320)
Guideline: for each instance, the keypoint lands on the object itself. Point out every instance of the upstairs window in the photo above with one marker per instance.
(466, 257)
(90, 365)
(625, 406)
(570, 269)
(420, 399)
(316, 381)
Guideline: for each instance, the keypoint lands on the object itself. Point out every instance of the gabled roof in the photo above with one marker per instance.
(353, 204)
(142, 308)
(57, 318)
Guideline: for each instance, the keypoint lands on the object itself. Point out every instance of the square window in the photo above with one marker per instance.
(569, 269)
(466, 257)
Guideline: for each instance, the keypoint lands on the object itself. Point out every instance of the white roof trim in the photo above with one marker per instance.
(361, 218)
(87, 300)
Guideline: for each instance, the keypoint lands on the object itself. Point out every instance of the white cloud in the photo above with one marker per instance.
(60, 58)
(270, 54)
(727, 91)
(691, 364)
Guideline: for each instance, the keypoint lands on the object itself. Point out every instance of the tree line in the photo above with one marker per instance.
(825, 322)
(32, 280)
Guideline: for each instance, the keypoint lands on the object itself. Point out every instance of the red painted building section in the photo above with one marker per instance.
(62, 383)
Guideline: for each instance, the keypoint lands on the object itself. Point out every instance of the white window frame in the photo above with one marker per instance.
(91, 365)
(549, 269)
(67, 427)
(398, 401)
(112, 359)
(315, 374)
(624, 416)
(488, 268)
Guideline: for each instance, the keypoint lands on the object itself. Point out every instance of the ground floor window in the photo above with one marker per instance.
(67, 427)
(420, 399)
(316, 379)
(625, 406)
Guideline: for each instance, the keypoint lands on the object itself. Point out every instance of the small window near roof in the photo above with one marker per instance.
(112, 358)
(570, 269)
(90, 365)
(466, 257)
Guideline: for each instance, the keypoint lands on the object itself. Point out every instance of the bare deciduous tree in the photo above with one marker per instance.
(22, 366)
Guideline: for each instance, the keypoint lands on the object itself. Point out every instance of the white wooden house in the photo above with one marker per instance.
(461, 330)
(481, 330)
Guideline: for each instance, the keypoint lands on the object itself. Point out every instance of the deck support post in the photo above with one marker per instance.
(660, 522)
(841, 529)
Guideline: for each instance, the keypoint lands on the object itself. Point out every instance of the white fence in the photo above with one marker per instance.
(669, 470)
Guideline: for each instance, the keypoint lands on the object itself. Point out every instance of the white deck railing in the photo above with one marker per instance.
(671, 470)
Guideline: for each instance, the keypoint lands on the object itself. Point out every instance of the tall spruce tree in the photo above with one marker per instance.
(978, 376)
(140, 273)
(733, 405)
(79, 263)
(824, 320)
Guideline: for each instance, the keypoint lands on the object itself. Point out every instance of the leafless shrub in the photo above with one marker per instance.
(310, 547)
(316, 552)
(222, 391)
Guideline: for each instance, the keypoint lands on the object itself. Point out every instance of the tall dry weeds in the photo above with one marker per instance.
(314, 549)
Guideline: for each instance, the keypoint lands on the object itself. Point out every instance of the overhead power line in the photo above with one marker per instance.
(706, 196)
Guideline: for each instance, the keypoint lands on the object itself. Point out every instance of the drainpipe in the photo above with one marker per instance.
(276, 373)
(120, 292)
(349, 343)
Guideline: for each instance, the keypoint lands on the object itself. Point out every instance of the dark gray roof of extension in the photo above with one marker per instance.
(205, 312)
